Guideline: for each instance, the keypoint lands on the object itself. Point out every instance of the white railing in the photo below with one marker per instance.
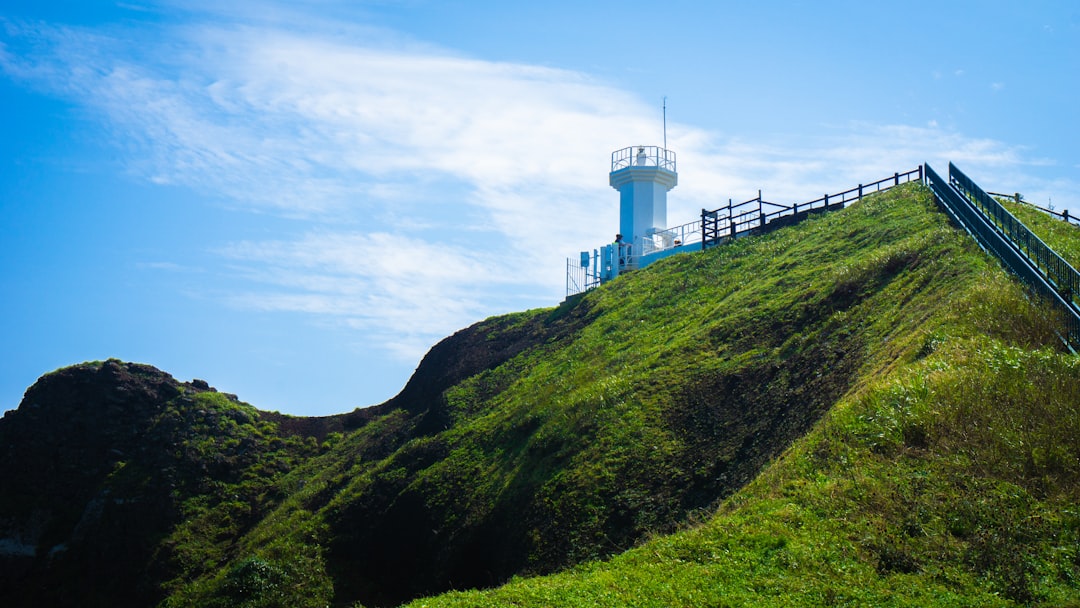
(669, 239)
(643, 156)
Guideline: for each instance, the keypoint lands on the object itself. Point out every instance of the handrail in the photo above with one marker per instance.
(991, 225)
(956, 196)
(1052, 266)
(670, 238)
(1018, 198)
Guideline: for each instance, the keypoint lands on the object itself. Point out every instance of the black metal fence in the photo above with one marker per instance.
(735, 219)
(996, 230)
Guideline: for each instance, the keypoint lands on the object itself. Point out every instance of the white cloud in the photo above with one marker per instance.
(439, 151)
(428, 189)
(400, 289)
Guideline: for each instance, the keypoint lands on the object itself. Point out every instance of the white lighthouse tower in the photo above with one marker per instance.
(642, 175)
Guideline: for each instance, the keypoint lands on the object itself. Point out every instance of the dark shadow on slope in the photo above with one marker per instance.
(94, 466)
(734, 424)
(391, 545)
(730, 426)
(767, 405)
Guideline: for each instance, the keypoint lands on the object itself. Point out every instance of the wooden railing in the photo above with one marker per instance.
(758, 216)
(1018, 198)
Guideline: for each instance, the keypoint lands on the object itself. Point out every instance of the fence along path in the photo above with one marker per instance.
(997, 231)
(757, 216)
(1064, 216)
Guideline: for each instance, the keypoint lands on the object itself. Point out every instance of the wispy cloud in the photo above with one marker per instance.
(428, 189)
(399, 290)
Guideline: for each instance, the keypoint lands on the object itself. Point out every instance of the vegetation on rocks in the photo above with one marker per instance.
(102, 462)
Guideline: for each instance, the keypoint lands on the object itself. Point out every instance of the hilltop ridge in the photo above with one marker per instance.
(843, 356)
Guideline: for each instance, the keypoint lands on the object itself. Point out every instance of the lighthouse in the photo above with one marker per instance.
(643, 175)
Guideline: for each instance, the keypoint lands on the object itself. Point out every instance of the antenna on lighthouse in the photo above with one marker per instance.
(665, 123)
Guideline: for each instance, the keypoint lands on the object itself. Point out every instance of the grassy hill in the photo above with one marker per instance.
(860, 409)
(945, 475)
(640, 407)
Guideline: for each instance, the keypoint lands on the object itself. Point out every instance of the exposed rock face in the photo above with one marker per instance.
(90, 470)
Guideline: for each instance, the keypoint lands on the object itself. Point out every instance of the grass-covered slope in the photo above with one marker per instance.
(944, 467)
(945, 473)
(1063, 237)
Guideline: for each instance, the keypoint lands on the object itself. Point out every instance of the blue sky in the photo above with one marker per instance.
(295, 200)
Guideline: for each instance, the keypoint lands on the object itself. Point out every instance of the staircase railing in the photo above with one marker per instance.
(1047, 274)
(998, 232)
(1056, 270)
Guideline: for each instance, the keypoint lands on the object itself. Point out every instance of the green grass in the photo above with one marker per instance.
(947, 475)
(860, 409)
(914, 493)
(1061, 236)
